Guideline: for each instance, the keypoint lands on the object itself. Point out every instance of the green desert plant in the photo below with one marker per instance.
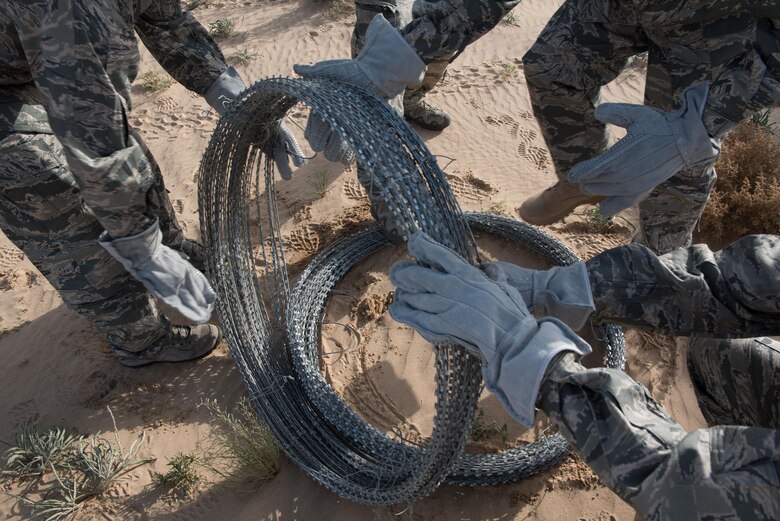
(155, 82)
(243, 57)
(36, 452)
(594, 222)
(510, 18)
(222, 28)
(183, 475)
(242, 448)
(761, 119)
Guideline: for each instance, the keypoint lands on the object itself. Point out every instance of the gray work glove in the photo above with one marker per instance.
(562, 292)
(163, 272)
(385, 67)
(658, 145)
(454, 302)
(224, 91)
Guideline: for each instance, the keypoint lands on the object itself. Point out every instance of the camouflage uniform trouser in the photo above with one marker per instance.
(584, 46)
(42, 213)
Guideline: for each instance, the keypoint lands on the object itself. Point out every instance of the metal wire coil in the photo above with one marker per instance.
(274, 343)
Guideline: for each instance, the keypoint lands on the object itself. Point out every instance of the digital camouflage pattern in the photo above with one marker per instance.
(731, 293)
(737, 381)
(666, 473)
(78, 59)
(588, 43)
(399, 14)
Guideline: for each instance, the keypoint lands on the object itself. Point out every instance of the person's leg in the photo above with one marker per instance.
(670, 213)
(417, 109)
(584, 46)
(737, 381)
(42, 213)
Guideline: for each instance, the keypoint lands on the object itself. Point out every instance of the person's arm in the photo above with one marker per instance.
(650, 461)
(442, 28)
(731, 293)
(80, 73)
(181, 45)
(751, 81)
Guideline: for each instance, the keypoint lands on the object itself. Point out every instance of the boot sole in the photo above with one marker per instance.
(436, 128)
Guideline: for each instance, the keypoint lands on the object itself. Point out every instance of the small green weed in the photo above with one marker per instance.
(510, 18)
(182, 477)
(320, 183)
(761, 120)
(222, 28)
(594, 222)
(504, 71)
(243, 57)
(36, 452)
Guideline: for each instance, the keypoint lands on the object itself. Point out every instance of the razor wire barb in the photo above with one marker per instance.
(273, 330)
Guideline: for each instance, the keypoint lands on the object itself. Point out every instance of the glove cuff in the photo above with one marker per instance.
(388, 61)
(134, 250)
(515, 376)
(563, 292)
(225, 90)
(690, 133)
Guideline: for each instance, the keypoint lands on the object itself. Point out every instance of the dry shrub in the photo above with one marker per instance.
(746, 198)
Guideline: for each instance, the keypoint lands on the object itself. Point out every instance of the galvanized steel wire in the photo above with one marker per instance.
(273, 330)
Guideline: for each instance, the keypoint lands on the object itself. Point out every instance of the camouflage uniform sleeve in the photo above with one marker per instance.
(443, 28)
(650, 461)
(80, 74)
(181, 45)
(731, 293)
(751, 81)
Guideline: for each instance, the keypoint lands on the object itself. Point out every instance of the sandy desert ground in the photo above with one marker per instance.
(57, 370)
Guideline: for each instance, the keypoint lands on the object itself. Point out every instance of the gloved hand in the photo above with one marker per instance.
(562, 292)
(385, 67)
(224, 91)
(658, 145)
(455, 302)
(164, 272)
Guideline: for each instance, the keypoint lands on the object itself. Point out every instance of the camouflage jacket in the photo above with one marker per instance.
(77, 59)
(738, 41)
(731, 293)
(646, 457)
(665, 472)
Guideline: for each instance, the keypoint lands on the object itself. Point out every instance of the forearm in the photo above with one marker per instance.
(447, 27)
(650, 460)
(181, 45)
(751, 81)
(731, 293)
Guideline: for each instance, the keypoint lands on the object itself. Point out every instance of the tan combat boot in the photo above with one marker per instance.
(555, 203)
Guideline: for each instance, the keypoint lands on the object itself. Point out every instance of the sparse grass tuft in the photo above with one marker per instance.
(594, 222)
(320, 183)
(155, 82)
(480, 430)
(182, 477)
(80, 468)
(746, 196)
(222, 28)
(500, 208)
(243, 57)
(242, 445)
(504, 71)
(761, 119)
(191, 5)
(339, 9)
(510, 18)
